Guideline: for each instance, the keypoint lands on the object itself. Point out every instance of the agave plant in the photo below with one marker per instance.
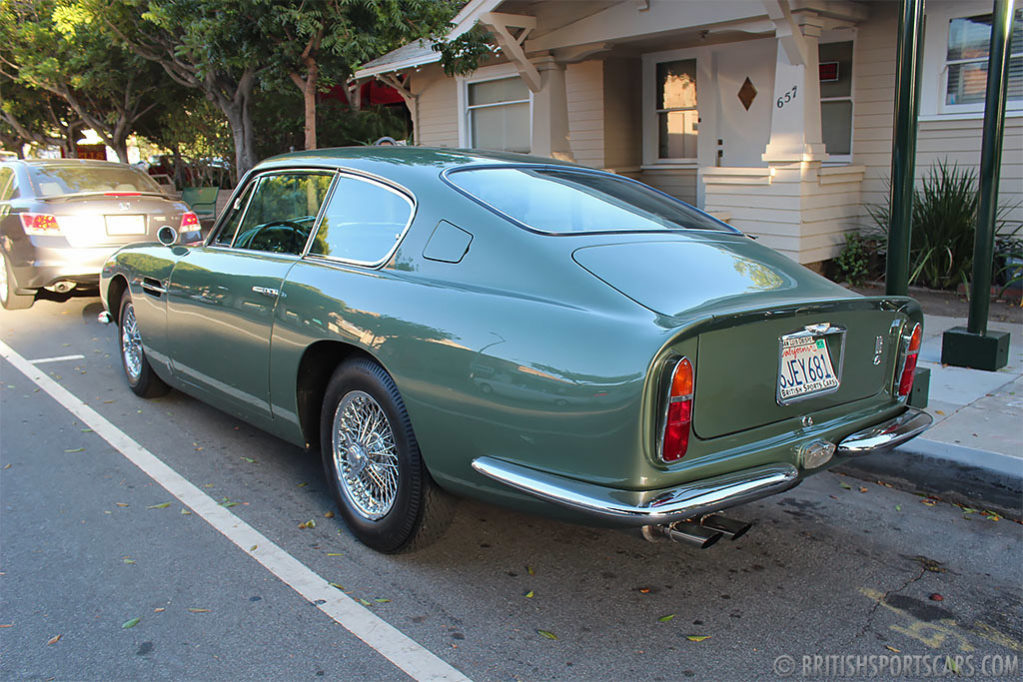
(944, 224)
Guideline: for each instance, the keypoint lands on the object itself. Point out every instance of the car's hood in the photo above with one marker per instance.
(679, 274)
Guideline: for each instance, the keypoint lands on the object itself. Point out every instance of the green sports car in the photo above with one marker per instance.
(565, 341)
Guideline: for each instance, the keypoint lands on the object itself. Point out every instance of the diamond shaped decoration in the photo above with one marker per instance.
(747, 93)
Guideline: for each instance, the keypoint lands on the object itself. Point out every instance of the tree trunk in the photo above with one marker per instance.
(309, 95)
(121, 149)
(236, 110)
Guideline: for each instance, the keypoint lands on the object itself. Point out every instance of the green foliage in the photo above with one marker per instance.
(944, 223)
(854, 260)
(463, 54)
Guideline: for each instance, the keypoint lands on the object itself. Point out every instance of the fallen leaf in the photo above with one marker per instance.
(159, 609)
(336, 585)
(529, 570)
(937, 597)
(198, 610)
(75, 450)
(898, 507)
(186, 512)
(363, 602)
(846, 486)
(644, 590)
(529, 595)
(128, 561)
(54, 639)
(665, 619)
(328, 515)
(381, 600)
(308, 524)
(253, 548)
(968, 510)
(697, 638)
(891, 648)
(249, 460)
(929, 501)
(227, 504)
(7, 625)
(334, 554)
(86, 430)
(7, 466)
(162, 505)
(941, 412)
(548, 635)
(302, 485)
(130, 623)
(886, 485)
(991, 516)
(862, 489)
(121, 504)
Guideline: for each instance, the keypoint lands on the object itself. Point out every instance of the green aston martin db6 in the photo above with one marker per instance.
(565, 341)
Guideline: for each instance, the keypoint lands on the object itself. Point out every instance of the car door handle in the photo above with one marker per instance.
(268, 292)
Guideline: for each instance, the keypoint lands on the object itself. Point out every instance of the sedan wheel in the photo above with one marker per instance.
(137, 370)
(372, 460)
(10, 299)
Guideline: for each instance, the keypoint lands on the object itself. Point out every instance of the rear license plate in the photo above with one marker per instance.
(125, 224)
(804, 366)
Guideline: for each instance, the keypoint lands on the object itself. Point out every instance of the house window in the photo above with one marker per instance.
(836, 63)
(497, 112)
(967, 56)
(675, 107)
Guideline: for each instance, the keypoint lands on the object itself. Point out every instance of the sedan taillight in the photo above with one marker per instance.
(189, 221)
(39, 224)
(910, 351)
(679, 415)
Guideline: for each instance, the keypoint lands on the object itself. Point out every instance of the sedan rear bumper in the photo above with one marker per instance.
(639, 508)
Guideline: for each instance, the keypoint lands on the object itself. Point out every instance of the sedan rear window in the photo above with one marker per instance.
(560, 201)
(55, 180)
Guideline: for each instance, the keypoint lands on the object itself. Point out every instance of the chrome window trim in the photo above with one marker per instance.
(402, 192)
(257, 177)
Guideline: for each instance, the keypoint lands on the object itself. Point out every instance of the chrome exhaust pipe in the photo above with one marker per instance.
(684, 533)
(62, 287)
(726, 526)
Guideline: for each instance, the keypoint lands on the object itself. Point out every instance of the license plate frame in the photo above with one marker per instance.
(812, 342)
(125, 225)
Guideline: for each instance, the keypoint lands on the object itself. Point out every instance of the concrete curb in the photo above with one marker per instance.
(975, 478)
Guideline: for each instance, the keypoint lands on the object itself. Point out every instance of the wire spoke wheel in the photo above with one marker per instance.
(365, 455)
(131, 344)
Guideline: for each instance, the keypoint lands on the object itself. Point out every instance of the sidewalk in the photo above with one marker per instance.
(973, 454)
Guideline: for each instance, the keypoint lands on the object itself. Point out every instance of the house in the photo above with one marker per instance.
(775, 116)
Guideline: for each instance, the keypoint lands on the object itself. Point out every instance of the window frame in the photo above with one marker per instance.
(934, 69)
(250, 182)
(842, 36)
(704, 81)
(483, 75)
(408, 196)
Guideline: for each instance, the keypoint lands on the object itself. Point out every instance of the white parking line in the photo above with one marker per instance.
(389, 642)
(59, 358)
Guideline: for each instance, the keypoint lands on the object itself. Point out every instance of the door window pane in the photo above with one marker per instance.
(225, 235)
(281, 213)
(836, 72)
(362, 223)
(838, 55)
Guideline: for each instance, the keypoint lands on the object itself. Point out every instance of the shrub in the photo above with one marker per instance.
(854, 261)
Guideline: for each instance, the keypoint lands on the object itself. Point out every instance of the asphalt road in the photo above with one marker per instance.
(836, 569)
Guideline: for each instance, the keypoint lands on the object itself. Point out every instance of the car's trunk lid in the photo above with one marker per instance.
(89, 220)
(743, 300)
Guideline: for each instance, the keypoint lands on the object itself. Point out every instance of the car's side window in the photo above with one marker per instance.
(281, 213)
(6, 183)
(225, 235)
(363, 222)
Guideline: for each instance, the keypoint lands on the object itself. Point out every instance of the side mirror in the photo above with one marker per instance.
(167, 235)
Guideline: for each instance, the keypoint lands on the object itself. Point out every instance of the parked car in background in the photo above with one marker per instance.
(558, 339)
(61, 219)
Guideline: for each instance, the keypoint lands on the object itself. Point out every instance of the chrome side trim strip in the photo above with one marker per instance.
(639, 508)
(886, 435)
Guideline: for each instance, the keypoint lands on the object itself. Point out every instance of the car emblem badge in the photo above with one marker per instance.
(878, 347)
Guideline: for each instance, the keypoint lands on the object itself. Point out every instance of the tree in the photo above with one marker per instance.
(319, 44)
(215, 46)
(30, 116)
(53, 46)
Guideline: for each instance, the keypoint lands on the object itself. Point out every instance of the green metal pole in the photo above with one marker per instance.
(990, 163)
(907, 107)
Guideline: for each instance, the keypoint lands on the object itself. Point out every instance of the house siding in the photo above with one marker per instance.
(957, 140)
(623, 128)
(438, 108)
(584, 87)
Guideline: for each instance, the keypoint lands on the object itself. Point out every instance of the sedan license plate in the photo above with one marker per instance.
(804, 368)
(125, 224)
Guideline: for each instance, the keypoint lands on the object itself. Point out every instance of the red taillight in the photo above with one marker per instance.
(189, 220)
(39, 224)
(679, 416)
(912, 352)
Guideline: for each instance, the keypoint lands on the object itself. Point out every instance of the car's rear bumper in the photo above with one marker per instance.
(43, 266)
(696, 498)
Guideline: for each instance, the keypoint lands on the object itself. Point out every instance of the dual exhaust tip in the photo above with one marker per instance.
(701, 533)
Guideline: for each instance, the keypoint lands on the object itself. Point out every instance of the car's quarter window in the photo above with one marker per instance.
(225, 235)
(281, 213)
(561, 201)
(363, 222)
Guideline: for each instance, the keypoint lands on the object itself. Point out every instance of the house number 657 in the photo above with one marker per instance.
(787, 97)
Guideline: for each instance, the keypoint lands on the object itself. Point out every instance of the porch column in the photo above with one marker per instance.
(796, 103)
(550, 111)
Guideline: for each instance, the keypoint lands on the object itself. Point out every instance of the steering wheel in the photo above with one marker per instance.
(296, 238)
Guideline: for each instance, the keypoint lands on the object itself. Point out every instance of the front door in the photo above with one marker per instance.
(744, 110)
(223, 296)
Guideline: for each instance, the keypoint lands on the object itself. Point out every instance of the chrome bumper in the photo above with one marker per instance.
(643, 508)
(886, 435)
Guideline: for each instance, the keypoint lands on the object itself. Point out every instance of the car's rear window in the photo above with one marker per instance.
(562, 201)
(52, 181)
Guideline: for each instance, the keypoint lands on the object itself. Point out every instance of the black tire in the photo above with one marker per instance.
(137, 370)
(10, 299)
(379, 481)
